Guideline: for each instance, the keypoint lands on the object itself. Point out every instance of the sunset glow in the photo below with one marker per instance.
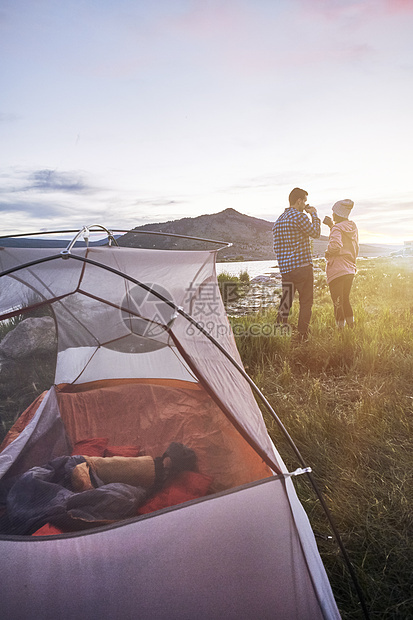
(128, 112)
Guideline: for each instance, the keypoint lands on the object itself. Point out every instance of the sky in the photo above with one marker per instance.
(127, 112)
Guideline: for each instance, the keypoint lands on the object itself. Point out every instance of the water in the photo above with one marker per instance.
(253, 267)
(256, 296)
(260, 295)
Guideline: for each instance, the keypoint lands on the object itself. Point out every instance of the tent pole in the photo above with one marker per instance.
(223, 244)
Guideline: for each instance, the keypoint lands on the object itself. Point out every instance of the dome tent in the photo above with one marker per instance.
(134, 366)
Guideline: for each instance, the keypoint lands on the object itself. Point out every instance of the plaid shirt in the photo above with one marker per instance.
(291, 233)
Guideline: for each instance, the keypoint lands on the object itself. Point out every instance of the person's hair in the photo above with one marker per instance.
(296, 194)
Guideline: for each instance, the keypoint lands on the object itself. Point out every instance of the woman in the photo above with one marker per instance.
(341, 254)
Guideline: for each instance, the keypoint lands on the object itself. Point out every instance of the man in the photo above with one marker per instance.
(291, 233)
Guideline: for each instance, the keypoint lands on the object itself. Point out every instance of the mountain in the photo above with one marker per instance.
(251, 237)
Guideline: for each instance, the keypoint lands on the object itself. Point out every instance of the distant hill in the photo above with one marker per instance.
(251, 237)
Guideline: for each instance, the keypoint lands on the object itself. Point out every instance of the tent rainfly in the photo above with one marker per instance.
(138, 365)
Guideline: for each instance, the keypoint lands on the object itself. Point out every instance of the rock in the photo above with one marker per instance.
(33, 335)
(261, 280)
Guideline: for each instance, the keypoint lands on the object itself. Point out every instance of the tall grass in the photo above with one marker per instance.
(21, 381)
(8, 325)
(347, 400)
(232, 287)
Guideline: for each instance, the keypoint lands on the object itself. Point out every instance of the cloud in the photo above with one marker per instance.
(388, 218)
(285, 180)
(52, 181)
(30, 196)
(386, 210)
(43, 181)
(398, 6)
(158, 202)
(333, 10)
(260, 39)
(356, 10)
(35, 210)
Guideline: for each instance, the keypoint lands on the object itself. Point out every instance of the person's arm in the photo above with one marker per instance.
(312, 228)
(335, 242)
(328, 222)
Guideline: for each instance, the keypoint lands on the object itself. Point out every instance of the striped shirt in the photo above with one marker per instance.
(291, 234)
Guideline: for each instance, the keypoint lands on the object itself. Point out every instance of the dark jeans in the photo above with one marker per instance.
(340, 294)
(301, 280)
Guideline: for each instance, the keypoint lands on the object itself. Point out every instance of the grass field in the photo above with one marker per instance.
(347, 400)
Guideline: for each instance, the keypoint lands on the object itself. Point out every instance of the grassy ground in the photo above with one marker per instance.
(347, 400)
